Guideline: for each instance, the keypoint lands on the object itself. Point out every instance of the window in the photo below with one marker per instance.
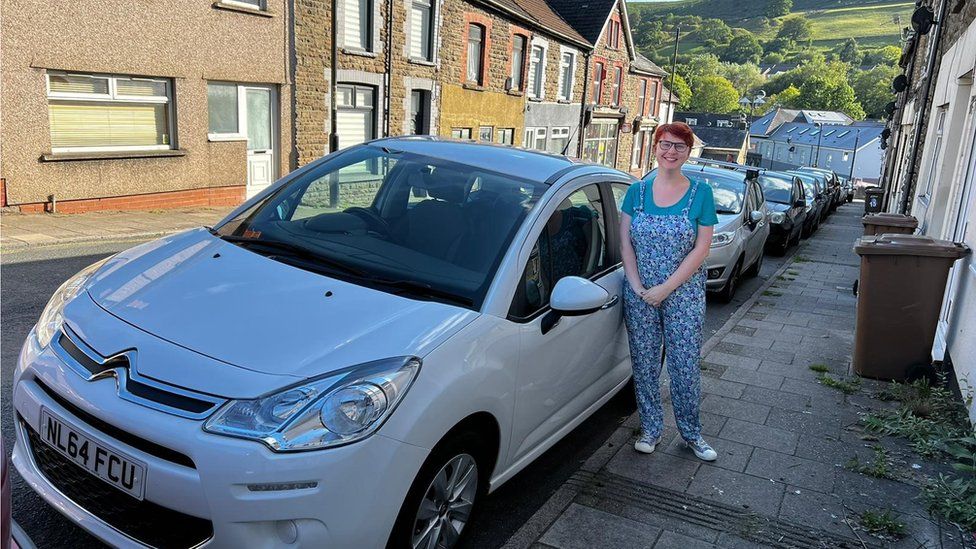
(642, 97)
(476, 52)
(537, 75)
(506, 136)
(535, 138)
(421, 17)
(358, 25)
(803, 131)
(558, 139)
(791, 130)
(933, 172)
(653, 97)
(635, 156)
(841, 134)
(618, 76)
(461, 133)
(613, 38)
(355, 114)
(253, 4)
(91, 112)
(223, 109)
(485, 133)
(600, 144)
(419, 112)
(567, 67)
(573, 243)
(598, 75)
(518, 61)
(828, 134)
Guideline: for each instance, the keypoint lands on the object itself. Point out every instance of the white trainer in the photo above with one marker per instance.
(702, 450)
(646, 444)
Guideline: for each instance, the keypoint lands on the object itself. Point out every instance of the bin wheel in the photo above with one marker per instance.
(924, 371)
(854, 289)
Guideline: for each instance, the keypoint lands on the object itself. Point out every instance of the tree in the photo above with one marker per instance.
(778, 8)
(681, 90)
(888, 55)
(849, 53)
(745, 78)
(796, 29)
(743, 49)
(698, 66)
(823, 93)
(715, 30)
(789, 98)
(773, 58)
(873, 89)
(714, 94)
(777, 45)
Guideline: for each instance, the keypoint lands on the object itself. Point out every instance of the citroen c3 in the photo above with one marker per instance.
(354, 357)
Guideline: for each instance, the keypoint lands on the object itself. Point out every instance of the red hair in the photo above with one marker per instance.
(678, 129)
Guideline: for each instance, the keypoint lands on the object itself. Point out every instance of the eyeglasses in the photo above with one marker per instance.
(666, 146)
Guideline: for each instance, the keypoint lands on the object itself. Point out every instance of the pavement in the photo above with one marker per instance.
(20, 232)
(783, 438)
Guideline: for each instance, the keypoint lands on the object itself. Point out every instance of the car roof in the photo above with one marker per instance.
(502, 159)
(735, 175)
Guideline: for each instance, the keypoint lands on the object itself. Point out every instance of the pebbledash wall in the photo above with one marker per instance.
(187, 43)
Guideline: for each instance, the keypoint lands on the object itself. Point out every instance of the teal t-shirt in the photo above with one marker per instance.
(702, 211)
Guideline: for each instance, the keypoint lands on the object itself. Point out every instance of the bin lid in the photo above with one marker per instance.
(909, 244)
(890, 220)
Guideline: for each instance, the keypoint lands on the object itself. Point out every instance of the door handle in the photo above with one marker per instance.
(611, 303)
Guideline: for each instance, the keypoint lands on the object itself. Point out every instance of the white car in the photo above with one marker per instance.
(354, 357)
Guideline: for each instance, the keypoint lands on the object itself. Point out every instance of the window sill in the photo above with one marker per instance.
(108, 155)
(242, 9)
(515, 93)
(473, 87)
(360, 53)
(421, 61)
(536, 99)
(563, 101)
(217, 137)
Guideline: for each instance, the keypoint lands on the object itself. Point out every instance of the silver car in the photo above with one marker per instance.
(742, 229)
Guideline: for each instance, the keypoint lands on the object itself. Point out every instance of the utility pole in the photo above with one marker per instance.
(857, 138)
(816, 163)
(674, 60)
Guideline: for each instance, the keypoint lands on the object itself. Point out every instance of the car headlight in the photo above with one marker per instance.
(722, 239)
(777, 217)
(52, 317)
(338, 409)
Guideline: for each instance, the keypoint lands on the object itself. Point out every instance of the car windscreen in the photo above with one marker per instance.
(811, 184)
(728, 189)
(399, 222)
(776, 188)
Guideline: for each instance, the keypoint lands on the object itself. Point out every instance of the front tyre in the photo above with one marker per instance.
(443, 497)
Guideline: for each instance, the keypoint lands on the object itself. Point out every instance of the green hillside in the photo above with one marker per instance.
(870, 22)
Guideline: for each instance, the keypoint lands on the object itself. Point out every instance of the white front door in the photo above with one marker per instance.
(258, 104)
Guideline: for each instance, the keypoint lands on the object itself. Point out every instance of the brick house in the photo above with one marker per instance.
(113, 114)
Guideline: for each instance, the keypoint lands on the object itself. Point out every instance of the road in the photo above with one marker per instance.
(28, 278)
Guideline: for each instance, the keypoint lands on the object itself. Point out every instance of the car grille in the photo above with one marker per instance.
(143, 521)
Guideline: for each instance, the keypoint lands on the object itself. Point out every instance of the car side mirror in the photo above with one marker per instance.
(577, 296)
(755, 217)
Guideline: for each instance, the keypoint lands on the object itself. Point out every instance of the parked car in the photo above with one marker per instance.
(832, 185)
(823, 190)
(743, 224)
(816, 201)
(354, 357)
(11, 534)
(787, 209)
(847, 189)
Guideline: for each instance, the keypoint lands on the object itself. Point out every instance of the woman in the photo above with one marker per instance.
(666, 230)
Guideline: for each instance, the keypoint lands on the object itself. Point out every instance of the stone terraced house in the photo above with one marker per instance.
(101, 123)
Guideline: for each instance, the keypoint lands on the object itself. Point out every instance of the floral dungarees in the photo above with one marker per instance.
(661, 242)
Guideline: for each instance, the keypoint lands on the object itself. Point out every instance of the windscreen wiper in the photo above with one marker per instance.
(421, 289)
(293, 251)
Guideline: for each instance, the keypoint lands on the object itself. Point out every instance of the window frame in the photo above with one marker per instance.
(618, 85)
(369, 41)
(535, 85)
(460, 133)
(502, 132)
(564, 70)
(113, 97)
(483, 130)
(557, 132)
(517, 73)
(431, 6)
(642, 102)
(373, 109)
(480, 78)
(423, 111)
(599, 77)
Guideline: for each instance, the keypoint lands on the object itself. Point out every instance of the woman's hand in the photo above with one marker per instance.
(656, 295)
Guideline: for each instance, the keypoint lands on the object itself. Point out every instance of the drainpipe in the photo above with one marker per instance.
(586, 92)
(334, 74)
(388, 76)
(909, 186)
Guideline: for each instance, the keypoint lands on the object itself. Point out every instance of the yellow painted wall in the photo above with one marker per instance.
(464, 108)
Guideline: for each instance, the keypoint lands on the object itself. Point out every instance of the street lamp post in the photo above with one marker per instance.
(759, 99)
(816, 162)
(674, 60)
(857, 137)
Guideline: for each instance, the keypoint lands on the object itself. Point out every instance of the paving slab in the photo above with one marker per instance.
(584, 528)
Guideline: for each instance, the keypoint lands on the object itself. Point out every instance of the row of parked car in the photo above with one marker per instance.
(762, 210)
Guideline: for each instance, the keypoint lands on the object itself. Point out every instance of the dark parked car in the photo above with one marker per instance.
(787, 207)
(816, 200)
(833, 185)
(847, 189)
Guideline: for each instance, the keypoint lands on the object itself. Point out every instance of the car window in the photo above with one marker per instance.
(728, 189)
(776, 188)
(755, 199)
(619, 192)
(573, 243)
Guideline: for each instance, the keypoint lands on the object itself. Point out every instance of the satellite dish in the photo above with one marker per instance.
(890, 108)
(900, 83)
(922, 20)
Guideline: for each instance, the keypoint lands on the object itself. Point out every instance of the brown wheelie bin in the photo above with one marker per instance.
(903, 278)
(891, 223)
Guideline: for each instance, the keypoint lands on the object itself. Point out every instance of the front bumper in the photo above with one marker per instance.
(357, 492)
(719, 263)
(779, 233)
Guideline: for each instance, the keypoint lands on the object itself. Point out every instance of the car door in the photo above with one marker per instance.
(799, 212)
(753, 230)
(566, 367)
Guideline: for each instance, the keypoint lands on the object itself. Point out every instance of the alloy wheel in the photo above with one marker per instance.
(446, 506)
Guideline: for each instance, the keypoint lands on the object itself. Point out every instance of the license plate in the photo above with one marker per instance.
(101, 460)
